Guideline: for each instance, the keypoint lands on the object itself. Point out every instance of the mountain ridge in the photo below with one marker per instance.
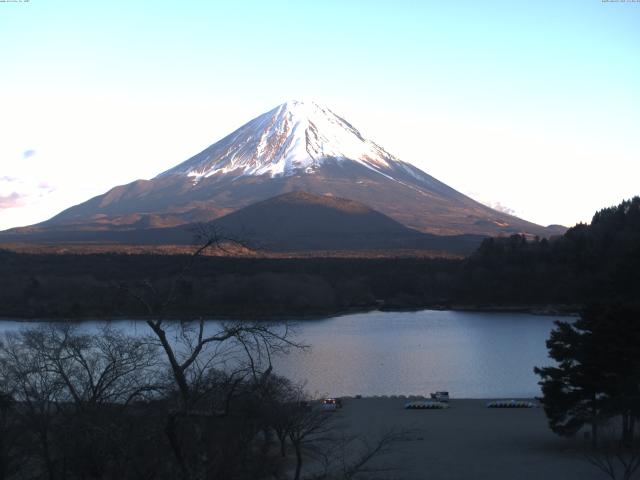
(296, 146)
(292, 222)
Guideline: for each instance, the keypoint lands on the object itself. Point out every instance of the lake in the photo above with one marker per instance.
(469, 354)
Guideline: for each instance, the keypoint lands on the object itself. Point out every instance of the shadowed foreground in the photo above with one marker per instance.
(468, 441)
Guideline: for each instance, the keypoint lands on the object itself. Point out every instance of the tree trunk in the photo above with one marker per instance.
(283, 446)
(594, 423)
(3, 460)
(170, 431)
(178, 372)
(266, 446)
(47, 460)
(298, 461)
(627, 429)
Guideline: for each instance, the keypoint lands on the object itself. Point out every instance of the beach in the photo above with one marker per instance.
(466, 441)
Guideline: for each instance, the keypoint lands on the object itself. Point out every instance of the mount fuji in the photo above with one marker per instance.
(296, 137)
(297, 146)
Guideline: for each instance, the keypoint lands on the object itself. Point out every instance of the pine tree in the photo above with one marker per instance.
(598, 372)
(572, 390)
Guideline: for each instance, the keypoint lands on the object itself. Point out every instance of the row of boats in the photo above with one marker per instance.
(440, 400)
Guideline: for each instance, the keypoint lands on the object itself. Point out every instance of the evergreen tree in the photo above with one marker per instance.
(598, 371)
(572, 390)
(617, 331)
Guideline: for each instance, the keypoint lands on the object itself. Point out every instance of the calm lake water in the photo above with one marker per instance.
(470, 354)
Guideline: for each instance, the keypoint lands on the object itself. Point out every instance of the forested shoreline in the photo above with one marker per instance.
(599, 262)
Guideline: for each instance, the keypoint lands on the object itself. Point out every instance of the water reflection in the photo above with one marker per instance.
(472, 355)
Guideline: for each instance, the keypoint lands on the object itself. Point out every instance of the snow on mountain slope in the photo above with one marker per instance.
(294, 137)
(297, 146)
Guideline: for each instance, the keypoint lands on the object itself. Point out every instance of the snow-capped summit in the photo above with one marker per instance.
(298, 146)
(293, 137)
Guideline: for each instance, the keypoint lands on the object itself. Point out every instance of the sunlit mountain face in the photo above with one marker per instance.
(297, 146)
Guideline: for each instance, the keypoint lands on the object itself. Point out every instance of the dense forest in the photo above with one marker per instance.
(595, 262)
(100, 285)
(589, 263)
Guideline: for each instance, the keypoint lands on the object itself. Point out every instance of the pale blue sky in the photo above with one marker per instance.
(533, 105)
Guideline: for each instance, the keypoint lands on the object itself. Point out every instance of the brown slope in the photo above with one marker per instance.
(300, 221)
(292, 222)
(430, 207)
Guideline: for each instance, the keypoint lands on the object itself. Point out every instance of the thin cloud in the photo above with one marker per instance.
(46, 187)
(495, 205)
(18, 192)
(28, 154)
(13, 200)
(502, 208)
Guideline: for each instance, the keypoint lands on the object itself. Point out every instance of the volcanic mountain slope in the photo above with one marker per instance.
(291, 222)
(297, 146)
(299, 221)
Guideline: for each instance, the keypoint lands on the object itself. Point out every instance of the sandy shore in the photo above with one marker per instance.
(467, 441)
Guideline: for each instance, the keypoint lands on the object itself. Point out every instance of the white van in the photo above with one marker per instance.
(440, 396)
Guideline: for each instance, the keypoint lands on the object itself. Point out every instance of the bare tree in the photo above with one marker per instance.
(108, 367)
(615, 458)
(357, 454)
(318, 435)
(195, 351)
(25, 372)
(10, 435)
(70, 390)
(284, 404)
(307, 430)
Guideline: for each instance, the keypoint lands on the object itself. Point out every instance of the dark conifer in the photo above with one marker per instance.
(597, 376)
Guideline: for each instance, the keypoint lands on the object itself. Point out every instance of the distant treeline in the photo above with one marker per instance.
(599, 262)
(596, 262)
(104, 285)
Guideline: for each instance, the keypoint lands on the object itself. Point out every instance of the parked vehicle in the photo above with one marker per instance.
(440, 396)
(331, 404)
